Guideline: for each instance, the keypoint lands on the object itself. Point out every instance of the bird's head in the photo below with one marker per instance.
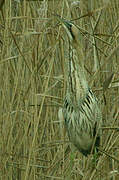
(71, 29)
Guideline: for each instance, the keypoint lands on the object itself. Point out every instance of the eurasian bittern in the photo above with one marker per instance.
(81, 110)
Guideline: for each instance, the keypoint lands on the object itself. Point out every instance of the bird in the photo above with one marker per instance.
(81, 109)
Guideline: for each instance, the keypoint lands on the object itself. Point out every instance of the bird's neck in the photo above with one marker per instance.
(76, 81)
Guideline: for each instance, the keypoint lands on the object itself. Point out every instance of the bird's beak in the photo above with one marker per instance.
(67, 26)
(65, 23)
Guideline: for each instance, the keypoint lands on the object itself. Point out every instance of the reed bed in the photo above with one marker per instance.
(34, 48)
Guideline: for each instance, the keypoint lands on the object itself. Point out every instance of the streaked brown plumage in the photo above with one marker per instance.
(81, 111)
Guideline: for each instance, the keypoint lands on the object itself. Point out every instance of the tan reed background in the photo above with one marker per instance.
(33, 48)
